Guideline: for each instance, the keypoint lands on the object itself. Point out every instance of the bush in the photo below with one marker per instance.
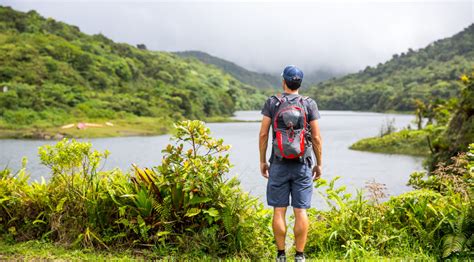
(21, 117)
(412, 142)
(184, 206)
(431, 222)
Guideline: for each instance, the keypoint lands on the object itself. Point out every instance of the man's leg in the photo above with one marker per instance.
(301, 228)
(279, 226)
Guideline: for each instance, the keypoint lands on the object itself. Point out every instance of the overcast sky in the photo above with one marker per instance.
(264, 36)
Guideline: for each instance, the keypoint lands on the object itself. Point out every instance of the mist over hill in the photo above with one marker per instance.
(257, 79)
(427, 74)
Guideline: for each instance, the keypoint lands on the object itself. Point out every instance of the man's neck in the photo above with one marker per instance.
(291, 92)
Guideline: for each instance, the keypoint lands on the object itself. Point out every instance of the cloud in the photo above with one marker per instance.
(265, 36)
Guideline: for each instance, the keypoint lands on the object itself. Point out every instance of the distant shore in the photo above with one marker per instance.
(139, 126)
(136, 126)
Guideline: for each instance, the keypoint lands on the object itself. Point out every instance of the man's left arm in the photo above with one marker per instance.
(263, 143)
(313, 116)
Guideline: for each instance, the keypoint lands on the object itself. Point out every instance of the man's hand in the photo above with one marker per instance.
(264, 169)
(317, 172)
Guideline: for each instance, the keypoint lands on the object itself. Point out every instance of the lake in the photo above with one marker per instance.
(339, 129)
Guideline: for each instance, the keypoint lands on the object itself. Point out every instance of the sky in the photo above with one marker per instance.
(264, 36)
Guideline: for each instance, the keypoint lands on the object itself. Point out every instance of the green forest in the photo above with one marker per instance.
(53, 74)
(427, 74)
(260, 80)
(270, 82)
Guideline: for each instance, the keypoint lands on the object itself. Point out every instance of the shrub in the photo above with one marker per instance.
(433, 222)
(199, 209)
(184, 206)
(21, 117)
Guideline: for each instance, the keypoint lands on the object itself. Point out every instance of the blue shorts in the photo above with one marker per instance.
(289, 179)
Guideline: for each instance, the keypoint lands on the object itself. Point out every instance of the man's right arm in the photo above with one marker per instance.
(263, 143)
(317, 148)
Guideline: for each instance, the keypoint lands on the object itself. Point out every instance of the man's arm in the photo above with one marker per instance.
(317, 148)
(263, 143)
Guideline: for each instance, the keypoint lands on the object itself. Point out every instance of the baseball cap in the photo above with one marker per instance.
(292, 73)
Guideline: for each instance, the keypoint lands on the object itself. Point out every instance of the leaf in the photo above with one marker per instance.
(192, 212)
(60, 205)
(199, 200)
(162, 233)
(212, 212)
(38, 221)
(453, 243)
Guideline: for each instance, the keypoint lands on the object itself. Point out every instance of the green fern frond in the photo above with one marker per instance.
(453, 243)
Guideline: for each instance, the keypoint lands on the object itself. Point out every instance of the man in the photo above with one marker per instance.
(290, 175)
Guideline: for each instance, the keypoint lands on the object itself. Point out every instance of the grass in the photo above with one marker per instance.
(33, 250)
(40, 250)
(407, 142)
(131, 126)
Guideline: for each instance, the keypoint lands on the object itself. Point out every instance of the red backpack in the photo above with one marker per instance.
(291, 128)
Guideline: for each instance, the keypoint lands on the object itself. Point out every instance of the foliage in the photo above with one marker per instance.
(411, 142)
(460, 129)
(456, 176)
(260, 80)
(420, 221)
(427, 74)
(264, 81)
(184, 206)
(189, 191)
(449, 129)
(51, 67)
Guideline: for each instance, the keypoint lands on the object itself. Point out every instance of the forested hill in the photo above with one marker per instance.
(260, 80)
(427, 74)
(51, 71)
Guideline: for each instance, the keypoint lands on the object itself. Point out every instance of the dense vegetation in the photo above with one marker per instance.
(186, 206)
(460, 129)
(434, 221)
(408, 142)
(437, 218)
(51, 74)
(260, 80)
(425, 74)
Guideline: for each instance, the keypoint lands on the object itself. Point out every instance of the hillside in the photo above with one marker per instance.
(51, 73)
(260, 80)
(426, 74)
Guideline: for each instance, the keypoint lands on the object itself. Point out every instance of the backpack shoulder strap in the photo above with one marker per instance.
(279, 98)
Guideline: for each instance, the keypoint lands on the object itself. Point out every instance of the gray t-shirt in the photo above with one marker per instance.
(269, 109)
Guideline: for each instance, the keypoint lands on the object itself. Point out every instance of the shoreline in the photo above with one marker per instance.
(137, 126)
(121, 128)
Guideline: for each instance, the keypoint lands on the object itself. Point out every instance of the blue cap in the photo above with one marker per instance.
(292, 73)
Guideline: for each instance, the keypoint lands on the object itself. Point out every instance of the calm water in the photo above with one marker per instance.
(339, 129)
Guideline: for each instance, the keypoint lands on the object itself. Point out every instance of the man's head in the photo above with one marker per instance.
(292, 77)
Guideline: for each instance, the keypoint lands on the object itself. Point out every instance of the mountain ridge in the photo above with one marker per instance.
(53, 73)
(428, 73)
(257, 79)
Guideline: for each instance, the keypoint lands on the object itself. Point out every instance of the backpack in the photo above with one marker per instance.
(291, 130)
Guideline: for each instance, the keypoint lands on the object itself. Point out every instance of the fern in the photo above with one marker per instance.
(228, 220)
(453, 243)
